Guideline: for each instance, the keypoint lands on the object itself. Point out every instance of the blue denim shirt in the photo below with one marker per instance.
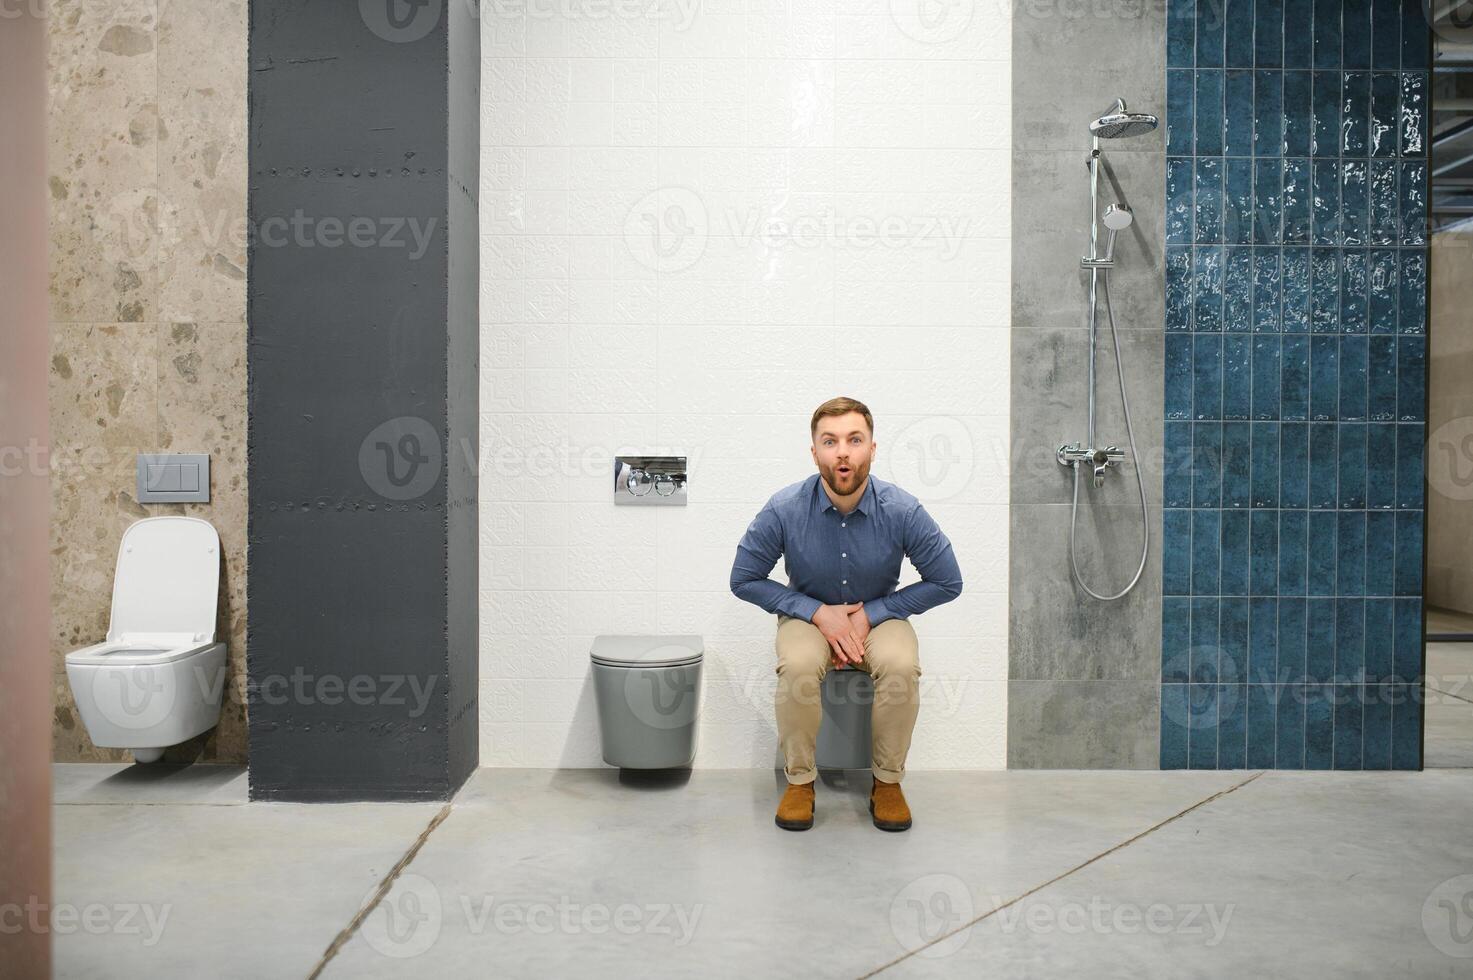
(834, 558)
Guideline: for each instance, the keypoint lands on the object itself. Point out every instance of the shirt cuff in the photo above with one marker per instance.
(805, 606)
(876, 611)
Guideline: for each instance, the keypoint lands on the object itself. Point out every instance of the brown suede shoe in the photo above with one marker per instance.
(887, 806)
(795, 812)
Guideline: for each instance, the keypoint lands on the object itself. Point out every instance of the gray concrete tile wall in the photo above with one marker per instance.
(1084, 675)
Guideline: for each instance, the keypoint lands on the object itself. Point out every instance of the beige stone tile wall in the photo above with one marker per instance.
(1450, 423)
(147, 171)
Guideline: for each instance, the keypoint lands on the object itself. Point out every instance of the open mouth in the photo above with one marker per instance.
(845, 471)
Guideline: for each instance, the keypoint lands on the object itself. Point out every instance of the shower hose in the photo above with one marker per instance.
(1102, 277)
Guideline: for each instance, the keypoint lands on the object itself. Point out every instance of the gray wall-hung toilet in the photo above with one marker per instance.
(844, 736)
(648, 690)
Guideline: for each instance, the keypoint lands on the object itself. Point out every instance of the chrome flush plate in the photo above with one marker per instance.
(650, 480)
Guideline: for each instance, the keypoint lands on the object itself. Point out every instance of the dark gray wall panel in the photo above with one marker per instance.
(463, 379)
(349, 579)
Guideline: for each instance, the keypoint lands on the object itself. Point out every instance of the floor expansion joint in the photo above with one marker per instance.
(378, 896)
(1081, 865)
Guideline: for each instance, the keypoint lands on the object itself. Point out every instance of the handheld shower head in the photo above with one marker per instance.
(1118, 217)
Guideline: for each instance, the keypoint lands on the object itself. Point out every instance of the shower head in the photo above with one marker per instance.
(1118, 217)
(1117, 122)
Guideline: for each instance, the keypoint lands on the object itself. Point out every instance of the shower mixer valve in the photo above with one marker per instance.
(1100, 459)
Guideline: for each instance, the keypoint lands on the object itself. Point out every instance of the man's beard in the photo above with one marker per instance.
(856, 477)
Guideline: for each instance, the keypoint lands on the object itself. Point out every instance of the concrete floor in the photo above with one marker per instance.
(1449, 738)
(534, 873)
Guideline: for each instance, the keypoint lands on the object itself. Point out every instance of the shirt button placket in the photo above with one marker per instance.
(844, 554)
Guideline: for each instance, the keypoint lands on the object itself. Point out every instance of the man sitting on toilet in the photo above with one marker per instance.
(843, 533)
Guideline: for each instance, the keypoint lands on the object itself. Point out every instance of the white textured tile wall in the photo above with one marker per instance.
(698, 224)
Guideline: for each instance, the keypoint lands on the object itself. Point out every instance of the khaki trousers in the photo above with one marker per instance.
(892, 659)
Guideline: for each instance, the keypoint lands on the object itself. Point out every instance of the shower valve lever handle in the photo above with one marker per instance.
(1104, 456)
(1100, 459)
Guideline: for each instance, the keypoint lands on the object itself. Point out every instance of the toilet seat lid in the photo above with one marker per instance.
(647, 649)
(167, 579)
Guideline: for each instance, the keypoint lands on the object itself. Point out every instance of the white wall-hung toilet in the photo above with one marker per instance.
(648, 690)
(159, 676)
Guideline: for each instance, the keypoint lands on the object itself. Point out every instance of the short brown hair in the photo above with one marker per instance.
(842, 405)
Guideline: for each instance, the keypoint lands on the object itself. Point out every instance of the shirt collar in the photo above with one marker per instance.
(866, 503)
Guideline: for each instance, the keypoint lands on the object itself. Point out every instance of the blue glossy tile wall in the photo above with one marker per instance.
(1296, 325)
